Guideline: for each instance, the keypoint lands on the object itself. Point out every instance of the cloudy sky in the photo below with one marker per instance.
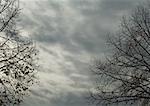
(69, 34)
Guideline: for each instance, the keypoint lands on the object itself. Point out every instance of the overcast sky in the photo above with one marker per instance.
(69, 34)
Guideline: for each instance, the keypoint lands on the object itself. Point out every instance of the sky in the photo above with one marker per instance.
(69, 34)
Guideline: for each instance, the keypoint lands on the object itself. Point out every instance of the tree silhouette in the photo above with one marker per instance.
(17, 55)
(124, 77)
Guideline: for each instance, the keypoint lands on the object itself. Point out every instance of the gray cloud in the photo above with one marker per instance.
(66, 27)
(68, 34)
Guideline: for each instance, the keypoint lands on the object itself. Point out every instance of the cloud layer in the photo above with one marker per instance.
(69, 33)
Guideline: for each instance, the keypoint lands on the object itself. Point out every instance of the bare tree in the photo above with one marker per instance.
(17, 55)
(124, 78)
